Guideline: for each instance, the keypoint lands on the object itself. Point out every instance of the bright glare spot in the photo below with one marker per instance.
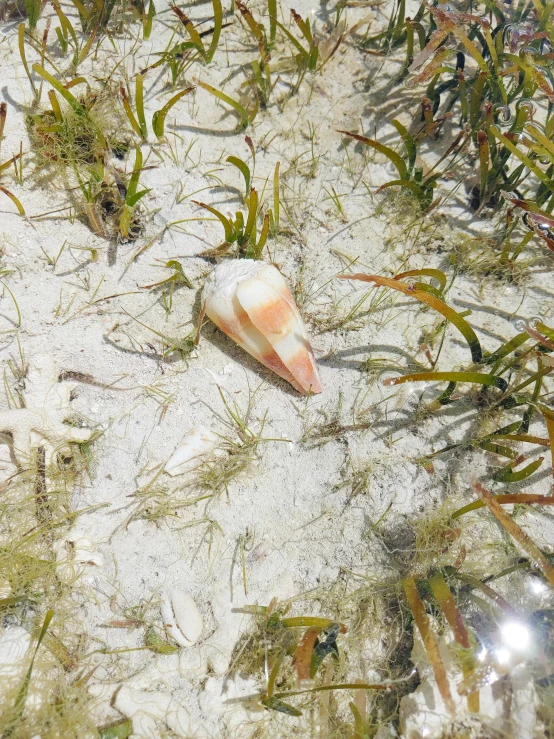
(482, 654)
(537, 586)
(516, 636)
(503, 656)
(425, 731)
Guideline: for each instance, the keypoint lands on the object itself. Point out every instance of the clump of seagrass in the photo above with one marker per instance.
(44, 672)
(77, 141)
(43, 675)
(234, 456)
(445, 585)
(481, 94)
(494, 384)
(290, 652)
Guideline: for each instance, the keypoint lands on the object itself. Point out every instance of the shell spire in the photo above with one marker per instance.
(251, 302)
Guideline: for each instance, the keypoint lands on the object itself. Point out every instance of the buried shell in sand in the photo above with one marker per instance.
(251, 302)
(197, 445)
(182, 618)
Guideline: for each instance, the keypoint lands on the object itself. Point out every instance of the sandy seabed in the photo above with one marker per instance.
(294, 524)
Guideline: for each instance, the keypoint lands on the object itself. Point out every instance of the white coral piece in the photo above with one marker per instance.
(41, 421)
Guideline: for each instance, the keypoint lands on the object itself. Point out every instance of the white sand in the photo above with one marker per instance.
(304, 531)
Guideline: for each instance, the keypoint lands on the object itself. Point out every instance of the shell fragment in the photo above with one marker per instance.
(197, 444)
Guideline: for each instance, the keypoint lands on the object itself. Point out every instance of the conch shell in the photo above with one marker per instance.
(251, 302)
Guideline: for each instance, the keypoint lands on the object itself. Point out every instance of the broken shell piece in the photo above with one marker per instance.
(197, 443)
(251, 302)
(182, 619)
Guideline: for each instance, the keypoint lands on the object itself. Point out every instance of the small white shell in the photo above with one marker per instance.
(197, 444)
(182, 619)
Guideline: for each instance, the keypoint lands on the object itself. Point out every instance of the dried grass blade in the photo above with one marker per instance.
(444, 596)
(395, 158)
(515, 531)
(548, 416)
(303, 655)
(474, 377)
(433, 302)
(435, 40)
(506, 499)
(522, 158)
(429, 640)
(431, 68)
